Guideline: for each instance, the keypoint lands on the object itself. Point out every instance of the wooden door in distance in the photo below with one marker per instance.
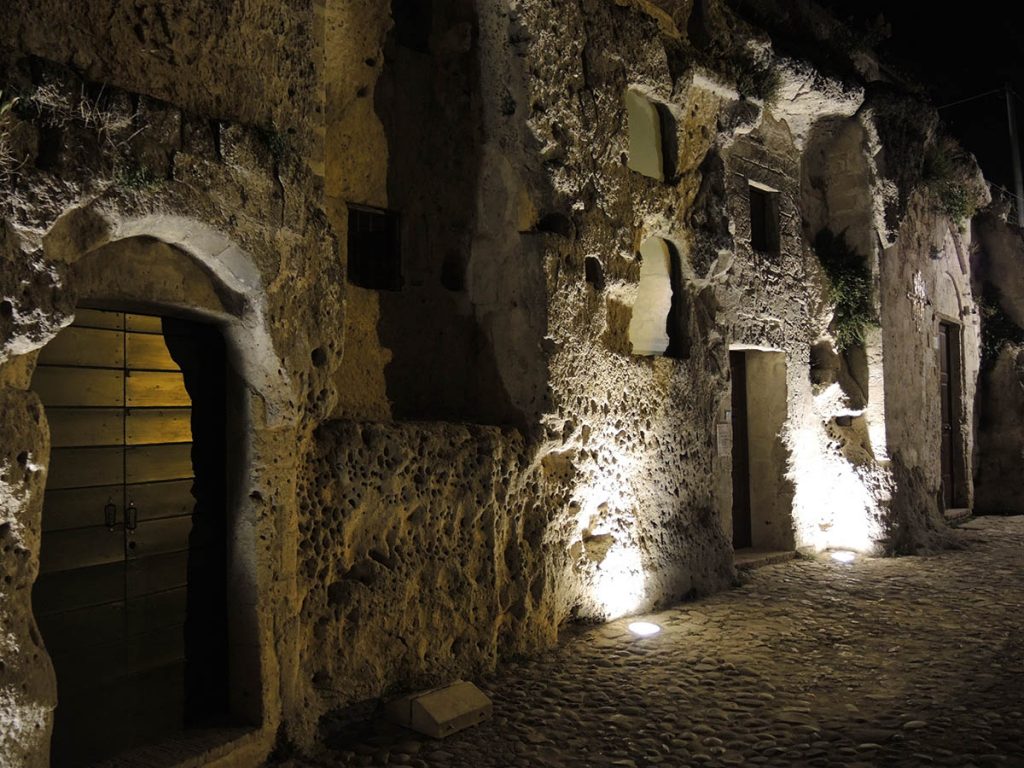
(946, 408)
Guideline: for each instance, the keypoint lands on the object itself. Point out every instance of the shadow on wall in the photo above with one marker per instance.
(442, 365)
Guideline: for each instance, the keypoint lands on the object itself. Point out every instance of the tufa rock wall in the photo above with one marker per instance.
(570, 478)
(121, 197)
(997, 281)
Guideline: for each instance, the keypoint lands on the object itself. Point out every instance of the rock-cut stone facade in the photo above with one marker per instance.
(598, 210)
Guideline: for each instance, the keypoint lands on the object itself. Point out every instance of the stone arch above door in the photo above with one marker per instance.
(183, 264)
(177, 266)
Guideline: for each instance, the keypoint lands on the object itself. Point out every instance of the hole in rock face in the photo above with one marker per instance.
(6, 309)
(593, 272)
(661, 312)
(557, 224)
(824, 363)
(678, 322)
(453, 272)
(319, 357)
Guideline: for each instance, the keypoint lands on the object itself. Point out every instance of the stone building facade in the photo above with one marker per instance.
(595, 223)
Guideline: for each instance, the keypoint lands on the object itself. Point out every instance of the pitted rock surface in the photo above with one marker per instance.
(896, 662)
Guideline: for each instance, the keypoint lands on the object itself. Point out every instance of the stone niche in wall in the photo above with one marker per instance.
(660, 322)
(648, 327)
(646, 155)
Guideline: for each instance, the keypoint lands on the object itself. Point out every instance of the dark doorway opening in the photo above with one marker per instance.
(762, 515)
(131, 597)
(951, 440)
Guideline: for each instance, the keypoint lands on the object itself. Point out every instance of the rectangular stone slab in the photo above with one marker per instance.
(442, 711)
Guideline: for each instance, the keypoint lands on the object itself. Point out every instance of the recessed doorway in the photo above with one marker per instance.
(761, 495)
(131, 596)
(951, 440)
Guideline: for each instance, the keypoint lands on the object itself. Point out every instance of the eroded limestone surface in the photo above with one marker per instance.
(443, 476)
(810, 662)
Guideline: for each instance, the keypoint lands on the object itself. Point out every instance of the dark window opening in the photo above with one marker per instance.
(558, 224)
(593, 273)
(374, 255)
(678, 321)
(669, 142)
(764, 220)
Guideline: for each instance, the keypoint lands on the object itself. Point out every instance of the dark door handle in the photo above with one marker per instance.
(110, 515)
(131, 516)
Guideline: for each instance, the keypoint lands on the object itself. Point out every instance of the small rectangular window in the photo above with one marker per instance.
(764, 220)
(374, 255)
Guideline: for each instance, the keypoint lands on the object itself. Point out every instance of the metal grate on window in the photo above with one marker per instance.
(374, 253)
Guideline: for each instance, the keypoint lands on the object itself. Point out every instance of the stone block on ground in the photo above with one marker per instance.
(441, 712)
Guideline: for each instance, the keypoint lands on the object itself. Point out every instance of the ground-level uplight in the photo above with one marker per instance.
(644, 628)
(844, 556)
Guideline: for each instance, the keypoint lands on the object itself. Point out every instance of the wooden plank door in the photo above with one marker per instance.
(79, 596)
(947, 369)
(159, 507)
(111, 595)
(741, 521)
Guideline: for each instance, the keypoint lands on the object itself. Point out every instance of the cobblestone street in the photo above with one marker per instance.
(883, 662)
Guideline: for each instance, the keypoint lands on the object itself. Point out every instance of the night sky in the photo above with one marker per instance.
(956, 52)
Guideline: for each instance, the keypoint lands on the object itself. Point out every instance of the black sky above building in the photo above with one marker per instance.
(957, 53)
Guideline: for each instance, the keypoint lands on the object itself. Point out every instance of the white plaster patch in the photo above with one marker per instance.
(648, 332)
(645, 151)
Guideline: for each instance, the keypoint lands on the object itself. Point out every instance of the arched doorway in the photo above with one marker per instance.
(180, 268)
(131, 597)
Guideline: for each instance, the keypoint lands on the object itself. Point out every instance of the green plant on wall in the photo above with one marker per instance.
(997, 328)
(849, 289)
(942, 174)
(130, 175)
(8, 162)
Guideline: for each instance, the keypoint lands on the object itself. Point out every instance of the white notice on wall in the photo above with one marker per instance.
(724, 436)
